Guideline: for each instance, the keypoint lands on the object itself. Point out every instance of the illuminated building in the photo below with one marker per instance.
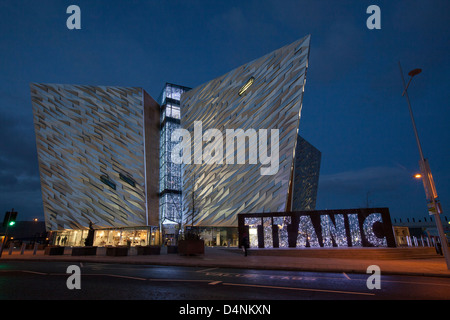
(106, 154)
(98, 152)
(265, 94)
(170, 186)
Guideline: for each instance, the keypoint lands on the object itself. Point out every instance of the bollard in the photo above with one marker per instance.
(11, 247)
(23, 248)
(35, 249)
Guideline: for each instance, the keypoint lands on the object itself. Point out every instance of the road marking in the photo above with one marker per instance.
(423, 283)
(405, 282)
(298, 289)
(249, 275)
(116, 276)
(205, 270)
(33, 272)
(289, 277)
(179, 280)
(214, 283)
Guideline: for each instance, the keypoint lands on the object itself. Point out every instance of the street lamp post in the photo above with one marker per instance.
(434, 207)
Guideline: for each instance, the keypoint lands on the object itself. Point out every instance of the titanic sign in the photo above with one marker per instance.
(369, 227)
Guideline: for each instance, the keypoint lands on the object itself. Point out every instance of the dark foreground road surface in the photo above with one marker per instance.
(48, 280)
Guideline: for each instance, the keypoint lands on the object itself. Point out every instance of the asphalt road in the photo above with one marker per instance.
(48, 281)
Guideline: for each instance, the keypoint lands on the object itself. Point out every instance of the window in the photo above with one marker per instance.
(246, 86)
(128, 180)
(105, 179)
(172, 111)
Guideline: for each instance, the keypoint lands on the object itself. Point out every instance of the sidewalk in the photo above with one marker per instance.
(233, 258)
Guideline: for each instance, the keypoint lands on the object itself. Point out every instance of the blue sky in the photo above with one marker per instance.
(353, 111)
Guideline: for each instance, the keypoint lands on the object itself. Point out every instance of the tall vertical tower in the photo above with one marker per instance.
(170, 183)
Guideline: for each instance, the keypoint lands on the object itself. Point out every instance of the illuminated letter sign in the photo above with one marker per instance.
(327, 228)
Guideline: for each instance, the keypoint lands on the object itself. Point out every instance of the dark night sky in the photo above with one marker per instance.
(353, 110)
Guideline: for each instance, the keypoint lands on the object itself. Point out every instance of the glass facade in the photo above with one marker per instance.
(139, 236)
(130, 236)
(170, 182)
(225, 237)
(73, 238)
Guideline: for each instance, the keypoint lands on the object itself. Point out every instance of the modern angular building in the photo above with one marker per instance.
(106, 154)
(98, 152)
(306, 175)
(262, 96)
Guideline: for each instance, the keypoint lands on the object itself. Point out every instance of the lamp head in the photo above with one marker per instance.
(414, 72)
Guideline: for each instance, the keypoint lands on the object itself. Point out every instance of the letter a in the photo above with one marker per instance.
(183, 146)
(374, 281)
(74, 281)
(74, 21)
(374, 21)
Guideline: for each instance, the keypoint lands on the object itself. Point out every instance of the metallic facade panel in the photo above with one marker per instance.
(306, 176)
(272, 100)
(91, 144)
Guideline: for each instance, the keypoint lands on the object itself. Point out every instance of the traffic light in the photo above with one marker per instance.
(10, 218)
